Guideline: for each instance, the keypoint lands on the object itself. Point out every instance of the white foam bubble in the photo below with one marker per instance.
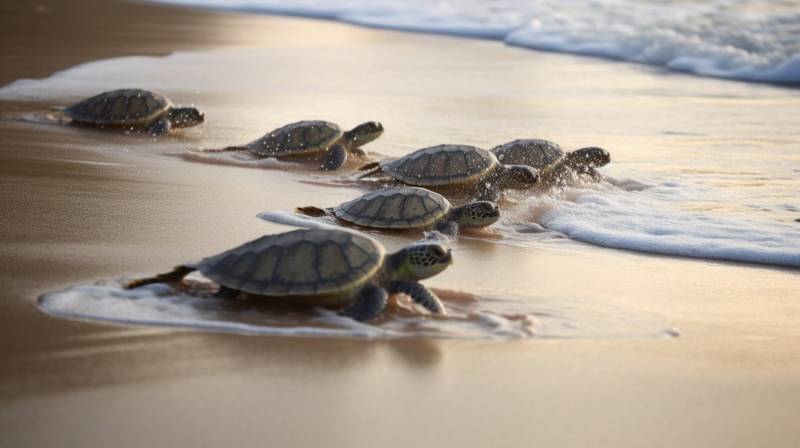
(753, 40)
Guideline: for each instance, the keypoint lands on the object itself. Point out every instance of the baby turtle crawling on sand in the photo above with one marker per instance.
(409, 208)
(314, 140)
(133, 109)
(555, 167)
(326, 267)
(468, 170)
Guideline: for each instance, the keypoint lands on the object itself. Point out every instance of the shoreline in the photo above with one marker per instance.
(87, 206)
(509, 35)
(29, 51)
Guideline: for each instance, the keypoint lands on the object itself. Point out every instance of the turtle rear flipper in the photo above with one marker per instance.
(369, 166)
(174, 275)
(228, 148)
(371, 169)
(312, 211)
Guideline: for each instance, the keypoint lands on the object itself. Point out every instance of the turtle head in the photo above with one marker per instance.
(517, 177)
(185, 117)
(476, 214)
(364, 133)
(420, 260)
(592, 156)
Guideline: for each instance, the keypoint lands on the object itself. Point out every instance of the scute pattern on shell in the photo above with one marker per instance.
(442, 165)
(395, 208)
(306, 262)
(120, 107)
(302, 137)
(537, 153)
(534, 152)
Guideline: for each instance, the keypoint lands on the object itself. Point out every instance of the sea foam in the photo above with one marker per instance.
(657, 220)
(495, 316)
(751, 40)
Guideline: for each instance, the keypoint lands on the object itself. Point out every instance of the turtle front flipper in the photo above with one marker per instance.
(489, 193)
(589, 174)
(449, 228)
(370, 304)
(335, 158)
(420, 294)
(174, 275)
(160, 127)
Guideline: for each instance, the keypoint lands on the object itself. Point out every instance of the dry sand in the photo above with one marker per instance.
(73, 214)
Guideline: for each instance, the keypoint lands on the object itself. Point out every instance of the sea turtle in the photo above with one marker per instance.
(316, 140)
(555, 167)
(410, 208)
(328, 267)
(133, 109)
(468, 169)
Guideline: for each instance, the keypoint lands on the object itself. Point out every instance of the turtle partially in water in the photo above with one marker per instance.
(314, 140)
(133, 109)
(555, 166)
(467, 170)
(327, 267)
(408, 208)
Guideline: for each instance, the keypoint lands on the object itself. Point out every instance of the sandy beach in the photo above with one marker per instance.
(704, 352)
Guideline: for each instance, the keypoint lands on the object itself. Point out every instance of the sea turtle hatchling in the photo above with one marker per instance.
(466, 169)
(555, 167)
(327, 267)
(314, 140)
(133, 109)
(407, 208)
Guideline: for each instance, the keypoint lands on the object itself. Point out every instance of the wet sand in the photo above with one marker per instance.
(75, 214)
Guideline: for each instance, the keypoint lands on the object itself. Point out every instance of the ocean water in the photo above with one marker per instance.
(702, 168)
(723, 186)
(749, 40)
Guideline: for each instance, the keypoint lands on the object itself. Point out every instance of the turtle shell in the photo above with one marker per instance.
(395, 208)
(302, 137)
(442, 165)
(535, 152)
(306, 262)
(120, 107)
